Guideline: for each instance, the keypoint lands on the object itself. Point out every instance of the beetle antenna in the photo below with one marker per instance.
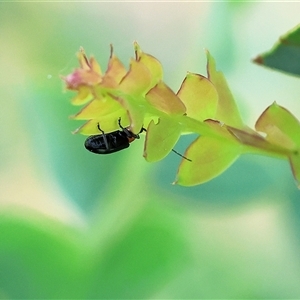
(181, 155)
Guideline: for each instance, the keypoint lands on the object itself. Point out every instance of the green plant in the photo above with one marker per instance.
(203, 105)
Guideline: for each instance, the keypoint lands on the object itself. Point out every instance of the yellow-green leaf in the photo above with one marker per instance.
(199, 97)
(137, 81)
(210, 157)
(99, 108)
(161, 138)
(281, 127)
(88, 64)
(83, 60)
(84, 95)
(227, 110)
(95, 66)
(165, 100)
(115, 68)
(153, 65)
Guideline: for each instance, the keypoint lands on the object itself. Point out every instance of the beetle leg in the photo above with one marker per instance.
(98, 126)
(104, 136)
(119, 122)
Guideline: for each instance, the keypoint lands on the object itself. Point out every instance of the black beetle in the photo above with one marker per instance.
(107, 143)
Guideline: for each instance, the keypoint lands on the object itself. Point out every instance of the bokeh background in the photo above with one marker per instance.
(77, 225)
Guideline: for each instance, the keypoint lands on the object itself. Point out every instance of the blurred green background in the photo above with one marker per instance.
(77, 225)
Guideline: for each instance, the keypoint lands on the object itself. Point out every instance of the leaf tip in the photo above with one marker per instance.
(258, 60)
(137, 50)
(81, 49)
(111, 51)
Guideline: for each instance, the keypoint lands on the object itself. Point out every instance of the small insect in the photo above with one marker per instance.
(106, 143)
